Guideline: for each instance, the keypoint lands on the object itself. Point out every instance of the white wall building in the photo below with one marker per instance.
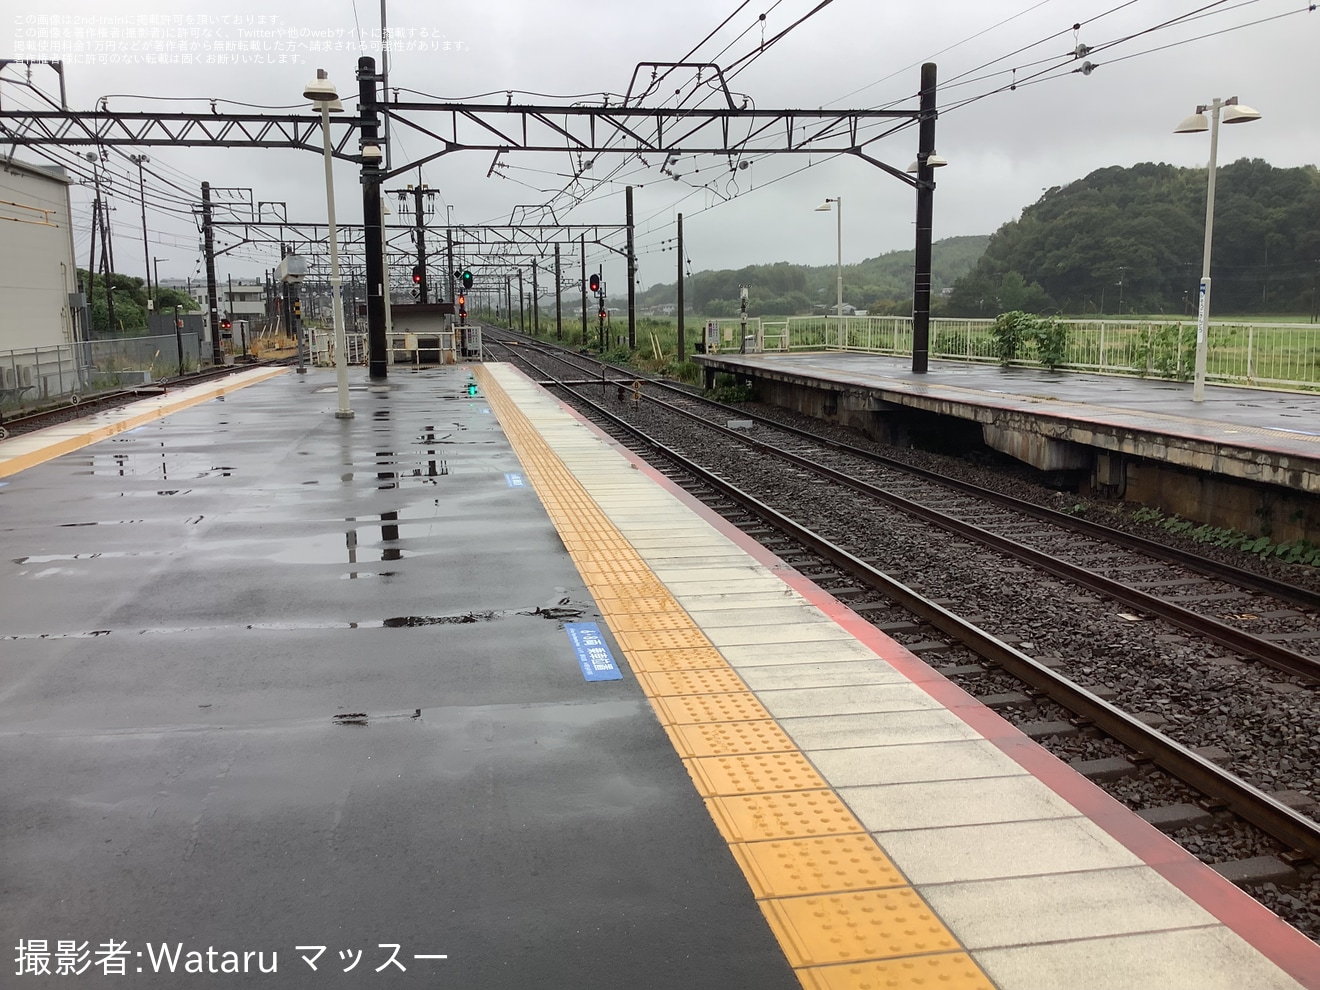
(246, 301)
(37, 270)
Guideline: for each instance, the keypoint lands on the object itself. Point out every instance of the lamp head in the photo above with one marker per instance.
(826, 206)
(320, 89)
(1236, 113)
(1194, 124)
(932, 159)
(371, 154)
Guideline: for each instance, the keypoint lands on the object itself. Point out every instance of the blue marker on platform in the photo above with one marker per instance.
(514, 480)
(593, 653)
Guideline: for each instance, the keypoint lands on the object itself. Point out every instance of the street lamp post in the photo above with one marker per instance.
(836, 203)
(1233, 113)
(321, 91)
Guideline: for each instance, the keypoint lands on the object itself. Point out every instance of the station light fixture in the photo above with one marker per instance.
(1228, 111)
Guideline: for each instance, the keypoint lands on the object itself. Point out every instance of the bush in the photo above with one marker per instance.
(1012, 330)
(728, 390)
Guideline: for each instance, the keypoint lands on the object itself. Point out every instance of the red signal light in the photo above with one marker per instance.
(595, 283)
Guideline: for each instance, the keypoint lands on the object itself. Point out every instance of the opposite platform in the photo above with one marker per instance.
(1064, 419)
(24, 451)
(895, 832)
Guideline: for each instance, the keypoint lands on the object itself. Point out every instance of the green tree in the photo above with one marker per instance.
(1135, 235)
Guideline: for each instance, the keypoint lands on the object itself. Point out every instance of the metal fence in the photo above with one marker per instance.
(1269, 354)
(37, 376)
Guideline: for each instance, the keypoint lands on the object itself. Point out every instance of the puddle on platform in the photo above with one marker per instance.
(561, 612)
(336, 550)
(50, 558)
(362, 718)
(162, 464)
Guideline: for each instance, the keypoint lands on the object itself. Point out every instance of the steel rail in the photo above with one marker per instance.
(1235, 639)
(1239, 640)
(1203, 565)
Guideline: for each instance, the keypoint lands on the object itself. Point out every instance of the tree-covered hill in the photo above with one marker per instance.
(1129, 240)
(877, 284)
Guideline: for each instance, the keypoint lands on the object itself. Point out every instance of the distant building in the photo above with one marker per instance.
(246, 300)
(38, 276)
(821, 309)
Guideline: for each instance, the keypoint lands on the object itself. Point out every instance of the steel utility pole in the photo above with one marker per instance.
(522, 317)
(107, 264)
(925, 212)
(208, 242)
(104, 221)
(559, 289)
(632, 272)
(449, 250)
(138, 160)
(584, 290)
(91, 261)
(419, 227)
(680, 289)
(374, 274)
(536, 302)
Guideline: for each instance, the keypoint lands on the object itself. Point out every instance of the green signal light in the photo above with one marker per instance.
(467, 279)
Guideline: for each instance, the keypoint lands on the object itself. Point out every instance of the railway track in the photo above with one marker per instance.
(1075, 550)
(829, 560)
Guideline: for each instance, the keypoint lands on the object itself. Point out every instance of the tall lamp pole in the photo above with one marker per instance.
(1232, 113)
(836, 203)
(321, 91)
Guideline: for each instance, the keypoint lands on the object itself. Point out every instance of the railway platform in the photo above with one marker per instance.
(460, 693)
(1222, 460)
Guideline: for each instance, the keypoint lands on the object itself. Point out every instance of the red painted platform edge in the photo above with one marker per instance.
(1274, 938)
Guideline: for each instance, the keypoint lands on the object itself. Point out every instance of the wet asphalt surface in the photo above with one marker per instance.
(269, 679)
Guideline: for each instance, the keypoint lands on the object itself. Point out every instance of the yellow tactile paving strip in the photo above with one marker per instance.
(844, 915)
(28, 450)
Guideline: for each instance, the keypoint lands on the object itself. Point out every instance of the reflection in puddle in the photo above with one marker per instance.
(162, 464)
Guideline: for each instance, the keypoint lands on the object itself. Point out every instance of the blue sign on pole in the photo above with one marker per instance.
(593, 653)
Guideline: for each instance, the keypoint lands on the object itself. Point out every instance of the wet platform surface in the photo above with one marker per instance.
(1277, 421)
(279, 683)
(271, 679)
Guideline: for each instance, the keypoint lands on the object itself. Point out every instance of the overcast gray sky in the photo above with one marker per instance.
(1004, 150)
